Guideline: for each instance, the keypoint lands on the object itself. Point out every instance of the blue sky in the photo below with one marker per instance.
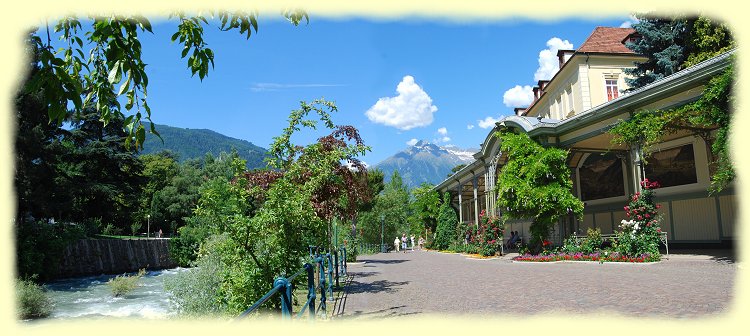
(395, 80)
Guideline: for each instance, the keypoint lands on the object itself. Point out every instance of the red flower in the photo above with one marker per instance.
(640, 217)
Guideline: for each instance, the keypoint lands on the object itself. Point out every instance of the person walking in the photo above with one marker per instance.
(412, 242)
(395, 244)
(403, 242)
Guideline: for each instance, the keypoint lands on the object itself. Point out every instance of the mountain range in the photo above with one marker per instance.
(422, 162)
(195, 143)
(425, 162)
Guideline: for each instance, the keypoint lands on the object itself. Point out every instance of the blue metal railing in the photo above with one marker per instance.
(327, 264)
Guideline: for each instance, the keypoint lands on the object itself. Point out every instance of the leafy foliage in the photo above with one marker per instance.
(194, 292)
(489, 235)
(32, 300)
(447, 223)
(268, 218)
(640, 235)
(77, 76)
(424, 206)
(124, 284)
(535, 184)
(709, 117)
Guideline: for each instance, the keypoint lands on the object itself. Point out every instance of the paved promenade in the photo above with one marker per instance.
(424, 282)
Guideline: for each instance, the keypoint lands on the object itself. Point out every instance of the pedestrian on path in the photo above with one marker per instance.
(403, 242)
(395, 244)
(412, 242)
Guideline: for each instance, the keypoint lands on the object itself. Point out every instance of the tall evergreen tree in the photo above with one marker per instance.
(663, 41)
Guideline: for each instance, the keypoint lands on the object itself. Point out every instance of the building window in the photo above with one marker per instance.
(672, 167)
(601, 177)
(611, 86)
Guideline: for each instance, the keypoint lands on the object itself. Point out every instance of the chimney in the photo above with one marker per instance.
(519, 110)
(563, 55)
(542, 83)
(536, 93)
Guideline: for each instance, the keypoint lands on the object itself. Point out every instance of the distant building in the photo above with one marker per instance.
(574, 110)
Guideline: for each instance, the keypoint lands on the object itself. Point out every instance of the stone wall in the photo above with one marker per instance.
(113, 256)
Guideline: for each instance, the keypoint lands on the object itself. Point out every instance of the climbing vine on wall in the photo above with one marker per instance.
(535, 183)
(709, 117)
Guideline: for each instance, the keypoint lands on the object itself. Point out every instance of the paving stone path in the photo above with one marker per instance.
(427, 282)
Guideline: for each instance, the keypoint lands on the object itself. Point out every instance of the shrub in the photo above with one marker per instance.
(447, 221)
(592, 242)
(40, 246)
(196, 292)
(123, 284)
(640, 234)
(111, 230)
(33, 301)
(572, 244)
(489, 236)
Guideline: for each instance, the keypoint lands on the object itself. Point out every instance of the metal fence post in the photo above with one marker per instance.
(311, 288)
(330, 276)
(336, 265)
(322, 280)
(286, 294)
(343, 264)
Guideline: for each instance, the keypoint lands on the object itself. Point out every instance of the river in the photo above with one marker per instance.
(90, 297)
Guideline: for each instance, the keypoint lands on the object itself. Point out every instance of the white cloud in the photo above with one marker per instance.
(443, 131)
(548, 62)
(468, 127)
(518, 96)
(630, 22)
(412, 142)
(411, 108)
(445, 139)
(488, 122)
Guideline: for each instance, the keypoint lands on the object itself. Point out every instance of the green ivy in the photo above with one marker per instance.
(535, 183)
(713, 111)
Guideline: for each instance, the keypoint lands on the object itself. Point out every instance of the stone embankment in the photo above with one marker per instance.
(113, 256)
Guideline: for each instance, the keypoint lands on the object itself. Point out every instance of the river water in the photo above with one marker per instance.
(90, 297)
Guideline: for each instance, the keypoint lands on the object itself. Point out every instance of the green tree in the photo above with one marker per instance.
(674, 43)
(425, 205)
(535, 184)
(105, 176)
(175, 201)
(663, 41)
(158, 170)
(71, 74)
(270, 217)
(447, 222)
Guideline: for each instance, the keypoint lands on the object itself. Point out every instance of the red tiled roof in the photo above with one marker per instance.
(607, 40)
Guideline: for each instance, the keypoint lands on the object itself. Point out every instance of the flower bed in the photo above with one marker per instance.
(611, 257)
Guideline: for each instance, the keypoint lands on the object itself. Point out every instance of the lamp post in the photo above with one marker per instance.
(382, 223)
(148, 226)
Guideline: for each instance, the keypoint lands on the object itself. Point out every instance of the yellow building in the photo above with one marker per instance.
(574, 110)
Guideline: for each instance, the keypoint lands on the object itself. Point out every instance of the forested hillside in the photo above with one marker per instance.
(195, 143)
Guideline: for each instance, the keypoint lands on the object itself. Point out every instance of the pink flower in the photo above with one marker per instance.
(640, 217)
(648, 216)
(627, 208)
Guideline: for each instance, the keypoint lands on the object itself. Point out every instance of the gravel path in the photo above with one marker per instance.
(427, 282)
